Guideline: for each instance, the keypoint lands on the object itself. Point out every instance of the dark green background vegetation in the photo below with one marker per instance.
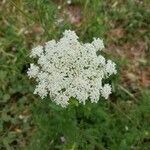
(122, 122)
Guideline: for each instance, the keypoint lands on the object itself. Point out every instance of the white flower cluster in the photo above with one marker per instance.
(68, 68)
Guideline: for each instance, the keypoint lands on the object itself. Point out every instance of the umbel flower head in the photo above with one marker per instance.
(68, 68)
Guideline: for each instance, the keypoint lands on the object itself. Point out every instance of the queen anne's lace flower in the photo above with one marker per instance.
(98, 44)
(106, 90)
(68, 68)
(33, 71)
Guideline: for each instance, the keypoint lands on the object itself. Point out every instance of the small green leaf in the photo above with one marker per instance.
(6, 97)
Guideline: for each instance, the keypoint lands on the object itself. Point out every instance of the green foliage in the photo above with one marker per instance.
(93, 126)
(27, 122)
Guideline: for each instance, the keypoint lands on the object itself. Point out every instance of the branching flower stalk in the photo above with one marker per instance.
(68, 68)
